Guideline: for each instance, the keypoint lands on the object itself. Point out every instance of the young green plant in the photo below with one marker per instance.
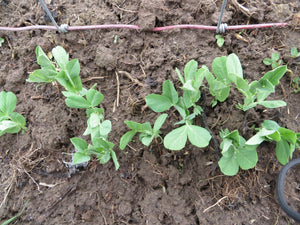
(186, 107)
(236, 153)
(147, 133)
(10, 121)
(286, 140)
(274, 61)
(66, 72)
(220, 40)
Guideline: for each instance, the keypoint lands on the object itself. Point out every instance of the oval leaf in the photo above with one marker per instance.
(158, 103)
(79, 157)
(176, 139)
(159, 122)
(247, 157)
(198, 136)
(126, 138)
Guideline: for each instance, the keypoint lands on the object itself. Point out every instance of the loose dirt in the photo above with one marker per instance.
(184, 187)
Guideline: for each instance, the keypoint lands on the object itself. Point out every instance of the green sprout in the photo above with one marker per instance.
(220, 40)
(67, 74)
(236, 153)
(10, 121)
(286, 140)
(274, 61)
(186, 107)
(147, 133)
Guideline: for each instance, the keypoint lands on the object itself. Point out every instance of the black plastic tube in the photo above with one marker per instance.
(280, 190)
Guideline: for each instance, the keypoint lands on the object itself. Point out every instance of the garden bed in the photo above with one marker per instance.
(150, 187)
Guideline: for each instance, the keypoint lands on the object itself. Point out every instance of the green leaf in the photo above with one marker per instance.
(115, 160)
(126, 138)
(105, 127)
(275, 56)
(94, 97)
(188, 86)
(159, 122)
(180, 76)
(146, 139)
(275, 75)
(234, 66)
(8, 102)
(19, 119)
(220, 40)
(73, 68)
(158, 103)
(270, 125)
(294, 52)
(198, 136)
(105, 158)
(264, 89)
(176, 139)
(283, 151)
(288, 135)
(94, 120)
(190, 70)
(229, 165)
(79, 144)
(7, 126)
(61, 56)
(247, 157)
(146, 128)
(76, 101)
(272, 104)
(220, 70)
(42, 75)
(170, 92)
(259, 137)
(43, 60)
(267, 61)
(219, 90)
(79, 157)
(69, 77)
(134, 125)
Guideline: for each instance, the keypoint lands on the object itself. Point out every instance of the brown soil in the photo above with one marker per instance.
(149, 188)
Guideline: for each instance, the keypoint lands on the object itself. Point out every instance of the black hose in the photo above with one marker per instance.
(280, 190)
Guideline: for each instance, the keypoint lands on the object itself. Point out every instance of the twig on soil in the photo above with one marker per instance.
(69, 190)
(131, 78)
(214, 204)
(125, 10)
(92, 78)
(10, 46)
(98, 206)
(118, 89)
(243, 9)
(8, 188)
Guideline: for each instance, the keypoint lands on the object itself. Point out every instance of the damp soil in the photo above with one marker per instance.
(151, 187)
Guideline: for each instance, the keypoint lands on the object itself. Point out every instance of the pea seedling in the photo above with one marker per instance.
(67, 74)
(274, 61)
(236, 153)
(294, 52)
(147, 133)
(192, 80)
(220, 40)
(286, 140)
(10, 121)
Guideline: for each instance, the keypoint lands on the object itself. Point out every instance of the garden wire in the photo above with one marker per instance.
(221, 28)
(280, 190)
(63, 27)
